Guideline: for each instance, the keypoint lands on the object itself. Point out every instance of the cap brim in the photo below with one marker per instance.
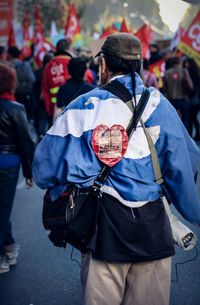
(97, 55)
(96, 45)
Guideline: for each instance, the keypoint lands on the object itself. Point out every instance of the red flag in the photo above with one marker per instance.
(49, 46)
(190, 42)
(72, 28)
(124, 28)
(38, 40)
(26, 44)
(158, 68)
(6, 16)
(108, 31)
(11, 37)
(145, 34)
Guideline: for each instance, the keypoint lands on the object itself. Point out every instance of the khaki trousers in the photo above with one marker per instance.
(125, 284)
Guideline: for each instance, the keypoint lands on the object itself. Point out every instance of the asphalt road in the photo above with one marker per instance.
(46, 275)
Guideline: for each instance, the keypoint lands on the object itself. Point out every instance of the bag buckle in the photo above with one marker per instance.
(98, 184)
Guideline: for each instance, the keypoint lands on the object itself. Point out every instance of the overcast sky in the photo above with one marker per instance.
(172, 11)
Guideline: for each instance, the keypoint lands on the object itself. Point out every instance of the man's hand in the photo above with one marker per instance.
(29, 182)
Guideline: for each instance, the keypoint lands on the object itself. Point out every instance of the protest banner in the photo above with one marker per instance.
(190, 42)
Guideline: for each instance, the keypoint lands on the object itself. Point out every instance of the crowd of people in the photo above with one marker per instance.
(132, 196)
(38, 89)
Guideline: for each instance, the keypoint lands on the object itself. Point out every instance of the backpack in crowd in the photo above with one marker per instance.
(24, 81)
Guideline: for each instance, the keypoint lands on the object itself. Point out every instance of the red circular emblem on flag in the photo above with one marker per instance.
(109, 144)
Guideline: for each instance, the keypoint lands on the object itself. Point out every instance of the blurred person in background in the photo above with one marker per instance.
(2, 54)
(30, 58)
(90, 76)
(16, 147)
(194, 98)
(150, 79)
(177, 85)
(25, 82)
(154, 53)
(55, 74)
(74, 86)
(42, 120)
(94, 69)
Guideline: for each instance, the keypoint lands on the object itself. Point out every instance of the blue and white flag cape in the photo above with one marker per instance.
(65, 155)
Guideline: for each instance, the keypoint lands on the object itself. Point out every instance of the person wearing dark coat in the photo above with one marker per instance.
(16, 147)
(154, 51)
(74, 86)
(42, 120)
(194, 98)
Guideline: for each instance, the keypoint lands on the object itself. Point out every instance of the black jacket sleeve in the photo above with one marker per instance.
(25, 145)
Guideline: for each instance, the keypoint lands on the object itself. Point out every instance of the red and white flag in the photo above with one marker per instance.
(49, 46)
(73, 29)
(38, 40)
(190, 42)
(177, 37)
(108, 31)
(11, 37)
(145, 34)
(26, 43)
(158, 68)
(124, 28)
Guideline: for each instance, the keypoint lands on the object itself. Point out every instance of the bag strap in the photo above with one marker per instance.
(155, 162)
(118, 89)
(123, 93)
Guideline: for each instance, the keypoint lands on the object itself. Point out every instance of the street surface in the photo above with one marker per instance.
(46, 275)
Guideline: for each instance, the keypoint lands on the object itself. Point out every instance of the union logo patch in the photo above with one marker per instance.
(109, 144)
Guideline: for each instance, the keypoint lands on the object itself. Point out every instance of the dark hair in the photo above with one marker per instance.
(116, 64)
(77, 67)
(62, 46)
(168, 63)
(8, 78)
(14, 52)
(154, 45)
(145, 64)
(47, 57)
(93, 66)
(2, 50)
(192, 69)
(175, 61)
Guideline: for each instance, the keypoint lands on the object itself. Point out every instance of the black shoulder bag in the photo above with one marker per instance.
(73, 217)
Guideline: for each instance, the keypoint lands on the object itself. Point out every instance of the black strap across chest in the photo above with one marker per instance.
(118, 89)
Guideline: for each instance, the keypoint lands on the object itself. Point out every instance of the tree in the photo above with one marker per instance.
(90, 11)
(48, 10)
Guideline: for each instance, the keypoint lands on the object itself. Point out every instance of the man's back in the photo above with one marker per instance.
(100, 107)
(91, 132)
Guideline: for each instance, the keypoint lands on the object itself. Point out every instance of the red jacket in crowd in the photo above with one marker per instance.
(54, 75)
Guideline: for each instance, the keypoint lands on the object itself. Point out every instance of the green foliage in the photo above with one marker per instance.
(48, 11)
